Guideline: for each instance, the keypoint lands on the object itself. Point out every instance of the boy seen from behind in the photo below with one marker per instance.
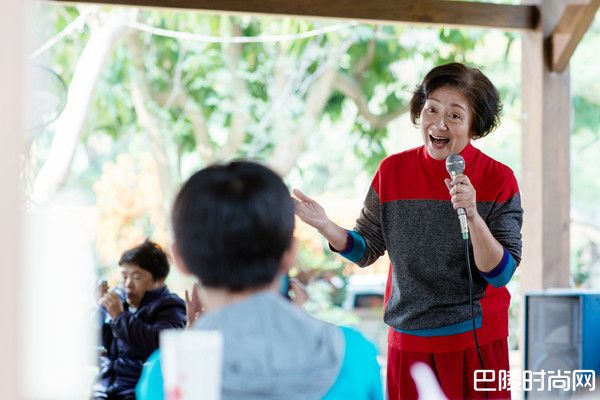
(233, 227)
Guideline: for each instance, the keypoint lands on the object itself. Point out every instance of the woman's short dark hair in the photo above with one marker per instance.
(232, 224)
(482, 95)
(149, 256)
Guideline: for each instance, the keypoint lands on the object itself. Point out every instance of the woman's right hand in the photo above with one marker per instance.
(309, 211)
(314, 215)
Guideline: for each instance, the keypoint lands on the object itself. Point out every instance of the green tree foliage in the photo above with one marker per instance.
(209, 99)
(193, 88)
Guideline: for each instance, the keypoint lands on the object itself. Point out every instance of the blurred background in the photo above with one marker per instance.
(127, 103)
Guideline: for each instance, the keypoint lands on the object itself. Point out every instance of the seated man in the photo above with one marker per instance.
(233, 227)
(131, 327)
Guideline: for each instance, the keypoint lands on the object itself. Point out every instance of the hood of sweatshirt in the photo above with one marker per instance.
(274, 350)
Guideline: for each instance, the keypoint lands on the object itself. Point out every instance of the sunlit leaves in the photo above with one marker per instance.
(128, 199)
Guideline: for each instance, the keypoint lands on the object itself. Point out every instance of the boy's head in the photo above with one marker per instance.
(233, 224)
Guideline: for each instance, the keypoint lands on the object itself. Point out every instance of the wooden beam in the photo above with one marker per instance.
(545, 181)
(573, 24)
(433, 12)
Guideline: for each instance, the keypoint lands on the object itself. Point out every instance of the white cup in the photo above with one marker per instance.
(191, 364)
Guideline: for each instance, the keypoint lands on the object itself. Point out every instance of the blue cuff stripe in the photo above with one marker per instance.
(461, 327)
(500, 275)
(358, 249)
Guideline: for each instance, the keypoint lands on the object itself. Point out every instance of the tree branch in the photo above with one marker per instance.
(351, 89)
(239, 93)
(288, 150)
(367, 59)
(140, 92)
(204, 144)
(193, 111)
(177, 86)
(69, 126)
(287, 81)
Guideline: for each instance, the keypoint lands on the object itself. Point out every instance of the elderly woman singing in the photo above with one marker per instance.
(445, 302)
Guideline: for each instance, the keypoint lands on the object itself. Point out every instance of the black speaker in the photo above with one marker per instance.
(562, 336)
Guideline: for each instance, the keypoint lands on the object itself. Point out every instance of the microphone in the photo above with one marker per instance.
(455, 165)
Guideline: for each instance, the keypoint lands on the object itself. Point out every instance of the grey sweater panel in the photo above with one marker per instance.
(505, 220)
(429, 279)
(368, 225)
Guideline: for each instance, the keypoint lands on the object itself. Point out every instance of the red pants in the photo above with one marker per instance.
(454, 371)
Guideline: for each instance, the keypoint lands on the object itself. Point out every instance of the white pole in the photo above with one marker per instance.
(11, 134)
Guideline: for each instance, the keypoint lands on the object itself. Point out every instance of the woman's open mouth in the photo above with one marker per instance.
(438, 141)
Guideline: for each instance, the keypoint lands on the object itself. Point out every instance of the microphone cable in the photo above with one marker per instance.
(466, 240)
(455, 165)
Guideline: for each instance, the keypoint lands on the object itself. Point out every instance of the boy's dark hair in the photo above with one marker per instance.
(232, 224)
(474, 85)
(149, 256)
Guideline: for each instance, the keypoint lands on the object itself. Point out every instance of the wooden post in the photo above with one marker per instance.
(545, 182)
(11, 113)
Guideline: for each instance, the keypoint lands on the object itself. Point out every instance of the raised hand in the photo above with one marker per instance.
(309, 211)
(193, 305)
(112, 302)
(101, 290)
(314, 215)
(299, 293)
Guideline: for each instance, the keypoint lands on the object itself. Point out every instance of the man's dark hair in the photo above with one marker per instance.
(232, 224)
(473, 84)
(149, 256)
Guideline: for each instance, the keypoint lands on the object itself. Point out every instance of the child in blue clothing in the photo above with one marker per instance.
(233, 227)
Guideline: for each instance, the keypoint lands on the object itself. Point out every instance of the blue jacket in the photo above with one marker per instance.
(273, 350)
(131, 338)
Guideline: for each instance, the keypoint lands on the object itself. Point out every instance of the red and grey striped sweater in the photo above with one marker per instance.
(408, 212)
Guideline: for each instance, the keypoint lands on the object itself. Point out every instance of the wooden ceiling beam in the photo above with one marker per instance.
(431, 12)
(573, 24)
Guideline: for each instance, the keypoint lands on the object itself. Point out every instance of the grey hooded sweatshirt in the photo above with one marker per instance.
(274, 350)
